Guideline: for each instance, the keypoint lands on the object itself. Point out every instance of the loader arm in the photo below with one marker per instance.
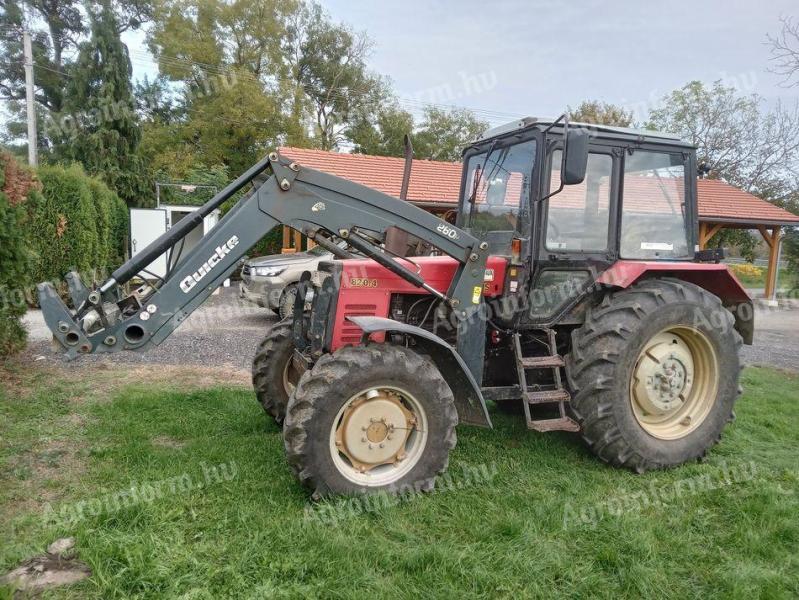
(107, 320)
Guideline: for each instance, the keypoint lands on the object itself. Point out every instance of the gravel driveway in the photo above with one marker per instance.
(223, 332)
(226, 331)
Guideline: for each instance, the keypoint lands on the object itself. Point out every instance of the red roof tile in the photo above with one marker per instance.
(433, 181)
(723, 201)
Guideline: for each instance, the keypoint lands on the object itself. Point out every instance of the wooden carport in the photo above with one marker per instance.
(722, 206)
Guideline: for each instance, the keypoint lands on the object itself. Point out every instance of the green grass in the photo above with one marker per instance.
(250, 536)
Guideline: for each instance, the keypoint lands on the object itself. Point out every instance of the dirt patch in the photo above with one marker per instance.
(106, 383)
(54, 568)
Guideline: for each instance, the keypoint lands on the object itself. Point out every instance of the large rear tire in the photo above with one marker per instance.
(274, 375)
(370, 418)
(654, 371)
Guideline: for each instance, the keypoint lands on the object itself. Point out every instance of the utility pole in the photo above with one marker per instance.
(30, 103)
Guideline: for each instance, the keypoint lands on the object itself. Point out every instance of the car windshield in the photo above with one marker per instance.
(318, 251)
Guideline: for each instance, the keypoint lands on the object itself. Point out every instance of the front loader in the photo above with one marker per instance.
(570, 290)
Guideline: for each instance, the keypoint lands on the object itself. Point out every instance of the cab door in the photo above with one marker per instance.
(575, 231)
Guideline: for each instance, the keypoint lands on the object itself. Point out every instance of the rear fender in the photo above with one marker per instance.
(716, 278)
(468, 398)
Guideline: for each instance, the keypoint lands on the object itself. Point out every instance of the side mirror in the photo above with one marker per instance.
(575, 160)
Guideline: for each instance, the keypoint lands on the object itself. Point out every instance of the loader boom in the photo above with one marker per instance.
(304, 199)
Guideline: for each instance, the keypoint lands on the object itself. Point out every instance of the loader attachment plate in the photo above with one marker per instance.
(61, 322)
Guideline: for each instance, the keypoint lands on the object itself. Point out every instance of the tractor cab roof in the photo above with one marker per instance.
(602, 131)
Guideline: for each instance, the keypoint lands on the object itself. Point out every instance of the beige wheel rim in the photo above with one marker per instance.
(674, 382)
(291, 375)
(378, 436)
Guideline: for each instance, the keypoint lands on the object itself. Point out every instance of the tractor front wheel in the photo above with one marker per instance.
(654, 371)
(274, 375)
(370, 418)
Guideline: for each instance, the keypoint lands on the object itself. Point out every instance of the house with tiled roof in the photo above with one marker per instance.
(435, 186)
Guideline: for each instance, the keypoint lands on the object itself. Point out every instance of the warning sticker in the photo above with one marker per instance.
(476, 293)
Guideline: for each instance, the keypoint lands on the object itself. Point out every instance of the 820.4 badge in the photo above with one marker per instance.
(363, 282)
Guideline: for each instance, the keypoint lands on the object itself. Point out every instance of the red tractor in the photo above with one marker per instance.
(570, 290)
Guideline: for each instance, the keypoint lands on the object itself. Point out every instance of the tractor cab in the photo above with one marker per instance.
(565, 201)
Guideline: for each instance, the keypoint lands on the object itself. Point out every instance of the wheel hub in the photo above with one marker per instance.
(663, 375)
(674, 382)
(374, 430)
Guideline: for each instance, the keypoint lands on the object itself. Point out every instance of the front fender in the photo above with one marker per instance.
(468, 398)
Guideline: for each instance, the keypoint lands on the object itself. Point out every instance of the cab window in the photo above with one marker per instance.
(578, 216)
(653, 219)
(498, 187)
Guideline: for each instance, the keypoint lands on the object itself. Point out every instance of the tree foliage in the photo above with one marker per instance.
(739, 141)
(381, 134)
(100, 128)
(333, 74)
(601, 113)
(444, 133)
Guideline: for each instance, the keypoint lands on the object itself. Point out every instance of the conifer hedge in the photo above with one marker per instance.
(15, 185)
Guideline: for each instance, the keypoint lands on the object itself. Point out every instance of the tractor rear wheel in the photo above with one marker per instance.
(370, 418)
(274, 375)
(654, 371)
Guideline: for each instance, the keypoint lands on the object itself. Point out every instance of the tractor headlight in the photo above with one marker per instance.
(269, 271)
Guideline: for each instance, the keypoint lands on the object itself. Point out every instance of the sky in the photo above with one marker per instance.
(510, 58)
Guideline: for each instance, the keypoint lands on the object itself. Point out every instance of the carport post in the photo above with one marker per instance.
(774, 242)
(777, 269)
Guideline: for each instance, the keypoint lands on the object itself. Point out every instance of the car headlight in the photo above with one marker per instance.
(269, 271)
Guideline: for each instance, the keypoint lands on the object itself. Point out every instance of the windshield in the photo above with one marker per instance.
(318, 251)
(498, 187)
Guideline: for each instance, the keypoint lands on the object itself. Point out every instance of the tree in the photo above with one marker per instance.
(58, 27)
(736, 139)
(785, 52)
(228, 58)
(333, 74)
(738, 142)
(444, 133)
(601, 113)
(382, 135)
(102, 130)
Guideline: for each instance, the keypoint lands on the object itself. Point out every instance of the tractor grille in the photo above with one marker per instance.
(351, 333)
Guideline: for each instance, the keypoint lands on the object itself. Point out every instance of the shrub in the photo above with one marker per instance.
(76, 222)
(16, 184)
(101, 201)
(120, 228)
(62, 229)
(747, 271)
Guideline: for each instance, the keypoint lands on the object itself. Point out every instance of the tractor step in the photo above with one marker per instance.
(559, 395)
(546, 396)
(561, 424)
(542, 362)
